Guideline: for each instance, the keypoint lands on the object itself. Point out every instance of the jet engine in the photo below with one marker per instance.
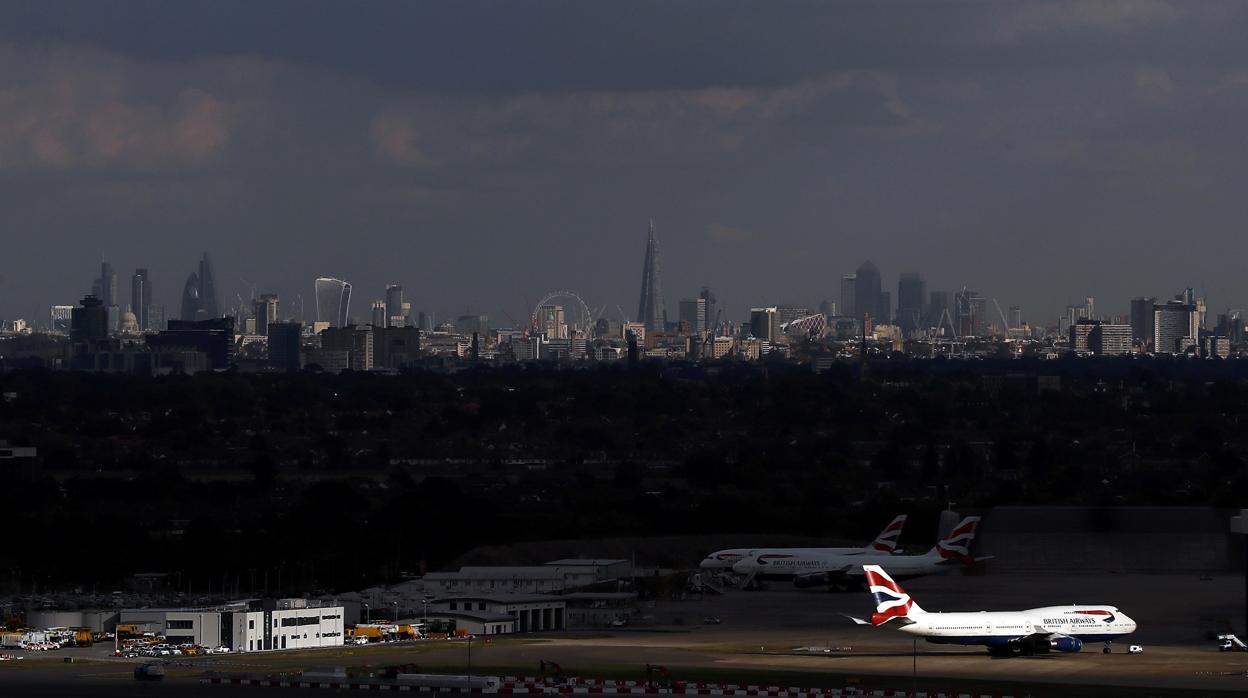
(1067, 644)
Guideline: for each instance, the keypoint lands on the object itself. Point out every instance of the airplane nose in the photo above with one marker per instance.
(707, 563)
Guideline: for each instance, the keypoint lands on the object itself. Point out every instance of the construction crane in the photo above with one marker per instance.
(1005, 324)
(623, 315)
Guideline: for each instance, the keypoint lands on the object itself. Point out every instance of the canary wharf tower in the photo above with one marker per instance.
(650, 311)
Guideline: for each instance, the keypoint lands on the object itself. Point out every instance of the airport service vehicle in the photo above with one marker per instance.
(1034, 631)
(845, 571)
(1231, 643)
(886, 542)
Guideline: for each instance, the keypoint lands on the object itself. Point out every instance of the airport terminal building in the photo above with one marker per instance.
(254, 627)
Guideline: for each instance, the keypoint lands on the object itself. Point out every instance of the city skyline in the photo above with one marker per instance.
(771, 172)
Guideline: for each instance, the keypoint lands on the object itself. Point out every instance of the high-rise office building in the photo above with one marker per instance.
(827, 307)
(395, 314)
(285, 341)
(156, 317)
(693, 315)
(88, 325)
(765, 323)
(1015, 317)
(1081, 335)
(711, 309)
(108, 285)
(265, 308)
(1142, 319)
(207, 290)
(1172, 323)
(971, 311)
(333, 301)
(140, 296)
(867, 298)
(1110, 339)
(357, 341)
(552, 322)
(849, 286)
(61, 319)
(911, 292)
(190, 299)
(650, 309)
(379, 314)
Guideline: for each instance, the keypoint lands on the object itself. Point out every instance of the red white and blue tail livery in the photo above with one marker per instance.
(957, 545)
(886, 542)
(891, 601)
(1033, 631)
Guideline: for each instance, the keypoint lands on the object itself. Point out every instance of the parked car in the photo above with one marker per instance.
(711, 620)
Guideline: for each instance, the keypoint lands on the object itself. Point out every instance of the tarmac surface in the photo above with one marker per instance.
(777, 630)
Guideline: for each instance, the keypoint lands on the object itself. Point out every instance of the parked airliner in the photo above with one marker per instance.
(815, 568)
(1034, 631)
(886, 542)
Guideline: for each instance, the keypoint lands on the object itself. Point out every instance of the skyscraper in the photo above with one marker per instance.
(379, 314)
(650, 310)
(284, 345)
(88, 325)
(849, 283)
(62, 317)
(693, 313)
(910, 296)
(108, 284)
(395, 317)
(867, 300)
(265, 308)
(333, 301)
(711, 310)
(1172, 323)
(1142, 319)
(190, 298)
(140, 297)
(207, 290)
(971, 311)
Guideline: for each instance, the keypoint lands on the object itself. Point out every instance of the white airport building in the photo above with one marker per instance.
(268, 625)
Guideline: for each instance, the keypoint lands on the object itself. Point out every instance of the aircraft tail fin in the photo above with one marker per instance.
(886, 542)
(957, 545)
(891, 601)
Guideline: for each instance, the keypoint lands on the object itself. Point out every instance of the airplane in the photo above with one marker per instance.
(886, 542)
(1005, 633)
(843, 572)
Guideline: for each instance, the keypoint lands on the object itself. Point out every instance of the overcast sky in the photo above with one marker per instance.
(484, 153)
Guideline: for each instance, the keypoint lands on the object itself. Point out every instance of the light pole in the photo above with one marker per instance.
(396, 611)
(425, 630)
(1239, 524)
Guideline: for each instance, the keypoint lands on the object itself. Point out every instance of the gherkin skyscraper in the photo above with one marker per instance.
(651, 311)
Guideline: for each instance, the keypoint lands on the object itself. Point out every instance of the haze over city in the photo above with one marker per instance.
(482, 154)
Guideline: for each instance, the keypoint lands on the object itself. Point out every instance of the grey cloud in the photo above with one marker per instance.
(1012, 147)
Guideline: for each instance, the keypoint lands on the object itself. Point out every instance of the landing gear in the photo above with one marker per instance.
(1106, 649)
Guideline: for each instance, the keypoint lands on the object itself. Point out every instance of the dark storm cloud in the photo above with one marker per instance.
(482, 153)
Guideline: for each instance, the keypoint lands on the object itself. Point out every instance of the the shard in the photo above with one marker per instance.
(650, 311)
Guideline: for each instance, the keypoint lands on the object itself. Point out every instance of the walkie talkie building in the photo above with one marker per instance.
(333, 300)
